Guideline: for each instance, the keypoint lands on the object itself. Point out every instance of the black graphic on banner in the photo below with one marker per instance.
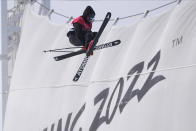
(177, 41)
(100, 99)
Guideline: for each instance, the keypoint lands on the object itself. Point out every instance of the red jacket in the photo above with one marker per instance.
(85, 26)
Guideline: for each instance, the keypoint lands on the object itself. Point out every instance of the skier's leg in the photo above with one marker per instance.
(74, 40)
(89, 40)
(88, 37)
(94, 34)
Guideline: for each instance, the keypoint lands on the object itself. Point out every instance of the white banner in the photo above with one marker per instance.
(147, 83)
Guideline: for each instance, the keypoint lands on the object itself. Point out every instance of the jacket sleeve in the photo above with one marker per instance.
(79, 33)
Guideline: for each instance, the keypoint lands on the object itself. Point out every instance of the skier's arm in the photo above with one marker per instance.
(79, 32)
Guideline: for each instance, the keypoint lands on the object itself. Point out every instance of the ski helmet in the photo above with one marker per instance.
(89, 12)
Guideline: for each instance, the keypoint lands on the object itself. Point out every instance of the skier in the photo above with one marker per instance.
(81, 34)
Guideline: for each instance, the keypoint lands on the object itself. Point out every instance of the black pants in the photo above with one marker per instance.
(77, 42)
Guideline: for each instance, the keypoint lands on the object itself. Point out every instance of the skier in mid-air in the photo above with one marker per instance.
(81, 34)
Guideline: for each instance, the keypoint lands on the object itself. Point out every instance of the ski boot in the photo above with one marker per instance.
(89, 46)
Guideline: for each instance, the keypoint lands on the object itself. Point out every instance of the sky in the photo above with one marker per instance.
(117, 8)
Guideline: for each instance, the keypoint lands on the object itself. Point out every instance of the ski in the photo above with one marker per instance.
(95, 41)
(99, 47)
(61, 57)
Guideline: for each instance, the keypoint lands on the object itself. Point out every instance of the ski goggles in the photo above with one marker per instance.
(92, 18)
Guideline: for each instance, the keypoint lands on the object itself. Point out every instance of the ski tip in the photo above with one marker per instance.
(56, 59)
(75, 79)
(117, 42)
(109, 14)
